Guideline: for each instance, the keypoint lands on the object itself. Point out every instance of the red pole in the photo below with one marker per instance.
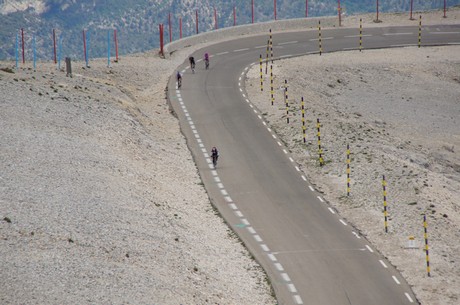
(338, 11)
(196, 15)
(180, 27)
(252, 10)
(170, 29)
(377, 11)
(306, 8)
(116, 43)
(274, 8)
(161, 39)
(234, 16)
(215, 19)
(84, 44)
(23, 54)
(54, 44)
(411, 5)
(445, 8)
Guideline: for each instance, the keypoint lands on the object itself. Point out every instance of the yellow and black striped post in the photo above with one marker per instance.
(360, 34)
(320, 151)
(286, 100)
(420, 32)
(272, 92)
(302, 103)
(271, 45)
(261, 74)
(348, 169)
(385, 212)
(425, 235)
(319, 38)
(266, 58)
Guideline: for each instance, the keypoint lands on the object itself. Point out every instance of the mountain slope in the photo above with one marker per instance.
(137, 21)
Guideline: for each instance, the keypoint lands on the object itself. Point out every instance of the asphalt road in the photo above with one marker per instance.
(310, 254)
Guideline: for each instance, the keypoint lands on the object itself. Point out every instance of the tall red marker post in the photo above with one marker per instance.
(274, 8)
(161, 39)
(180, 27)
(306, 8)
(115, 42)
(170, 28)
(234, 16)
(84, 46)
(252, 10)
(23, 52)
(215, 19)
(54, 46)
(339, 12)
(411, 7)
(196, 18)
(445, 8)
(377, 9)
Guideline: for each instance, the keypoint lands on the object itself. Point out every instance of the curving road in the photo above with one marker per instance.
(310, 254)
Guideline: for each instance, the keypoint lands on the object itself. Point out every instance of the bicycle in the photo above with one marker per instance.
(206, 64)
(179, 80)
(215, 156)
(192, 64)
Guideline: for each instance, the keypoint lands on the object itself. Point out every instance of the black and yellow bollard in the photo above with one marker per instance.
(320, 41)
(286, 100)
(261, 74)
(385, 212)
(348, 169)
(304, 129)
(420, 32)
(320, 151)
(271, 46)
(266, 58)
(272, 92)
(360, 34)
(425, 235)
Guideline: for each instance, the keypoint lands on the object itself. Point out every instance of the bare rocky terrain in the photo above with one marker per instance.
(101, 202)
(100, 199)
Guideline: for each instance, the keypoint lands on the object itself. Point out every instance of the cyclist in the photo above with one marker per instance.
(179, 79)
(215, 156)
(206, 60)
(191, 59)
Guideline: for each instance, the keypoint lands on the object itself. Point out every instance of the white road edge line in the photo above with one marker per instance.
(343, 222)
(409, 298)
(320, 199)
(331, 210)
(285, 277)
(298, 299)
(383, 264)
(370, 249)
(292, 288)
(396, 280)
(279, 267)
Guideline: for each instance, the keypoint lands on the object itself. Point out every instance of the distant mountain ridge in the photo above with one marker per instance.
(137, 21)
